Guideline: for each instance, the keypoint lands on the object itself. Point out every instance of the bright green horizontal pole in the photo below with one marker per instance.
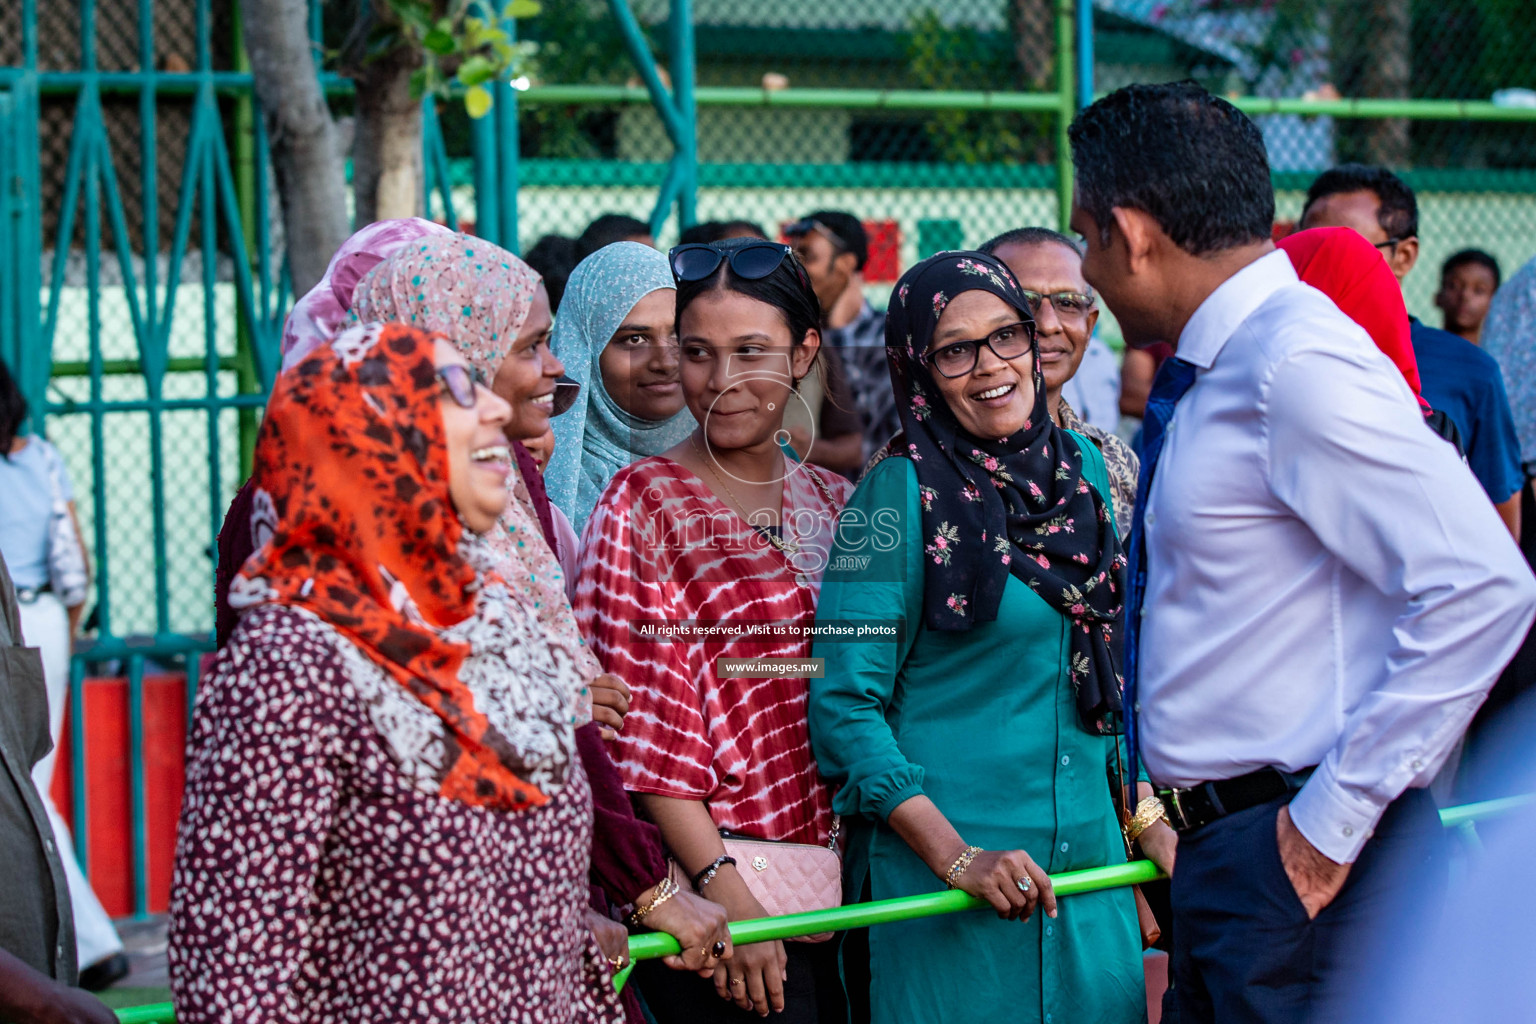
(863, 915)
(181, 364)
(1453, 816)
(1416, 110)
(856, 99)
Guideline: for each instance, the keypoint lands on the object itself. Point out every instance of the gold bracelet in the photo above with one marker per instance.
(961, 863)
(1148, 811)
(665, 890)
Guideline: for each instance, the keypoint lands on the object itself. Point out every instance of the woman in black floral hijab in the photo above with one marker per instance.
(971, 748)
(1014, 504)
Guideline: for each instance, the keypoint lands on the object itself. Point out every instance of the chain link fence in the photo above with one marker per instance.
(923, 176)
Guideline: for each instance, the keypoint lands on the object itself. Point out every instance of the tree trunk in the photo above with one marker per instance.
(387, 174)
(1373, 60)
(305, 158)
(1032, 23)
(1386, 77)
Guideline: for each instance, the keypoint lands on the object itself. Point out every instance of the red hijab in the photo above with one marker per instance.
(355, 524)
(1341, 264)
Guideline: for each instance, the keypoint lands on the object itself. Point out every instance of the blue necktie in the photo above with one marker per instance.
(1173, 379)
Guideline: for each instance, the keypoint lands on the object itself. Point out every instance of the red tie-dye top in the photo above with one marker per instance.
(661, 552)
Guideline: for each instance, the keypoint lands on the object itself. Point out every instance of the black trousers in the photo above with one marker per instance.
(1245, 950)
(812, 995)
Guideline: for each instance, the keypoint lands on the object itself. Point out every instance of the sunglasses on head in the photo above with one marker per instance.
(459, 383)
(804, 227)
(698, 261)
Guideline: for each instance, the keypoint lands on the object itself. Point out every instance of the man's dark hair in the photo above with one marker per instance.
(702, 233)
(718, 230)
(607, 229)
(742, 228)
(1472, 258)
(849, 229)
(554, 257)
(1398, 213)
(787, 289)
(1192, 161)
(1030, 236)
(13, 410)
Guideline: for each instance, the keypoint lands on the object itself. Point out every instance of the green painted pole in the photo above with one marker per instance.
(1453, 816)
(229, 82)
(1066, 94)
(857, 99)
(652, 945)
(653, 92)
(681, 47)
(863, 915)
(505, 113)
(246, 379)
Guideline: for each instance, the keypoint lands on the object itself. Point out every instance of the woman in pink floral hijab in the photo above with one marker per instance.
(323, 311)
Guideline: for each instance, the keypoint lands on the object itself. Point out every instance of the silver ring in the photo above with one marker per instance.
(1022, 883)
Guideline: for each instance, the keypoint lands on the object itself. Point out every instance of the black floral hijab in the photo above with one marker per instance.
(994, 506)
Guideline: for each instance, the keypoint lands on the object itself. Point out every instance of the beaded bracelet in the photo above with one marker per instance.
(961, 863)
(665, 890)
(706, 876)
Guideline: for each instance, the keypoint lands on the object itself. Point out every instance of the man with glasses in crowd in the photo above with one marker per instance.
(1459, 379)
(1049, 269)
(834, 248)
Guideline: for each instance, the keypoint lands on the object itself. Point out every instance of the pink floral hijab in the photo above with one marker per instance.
(324, 310)
(479, 296)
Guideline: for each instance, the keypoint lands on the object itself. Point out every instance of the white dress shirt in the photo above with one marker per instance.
(1327, 583)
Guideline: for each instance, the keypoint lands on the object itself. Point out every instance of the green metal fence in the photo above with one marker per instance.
(141, 274)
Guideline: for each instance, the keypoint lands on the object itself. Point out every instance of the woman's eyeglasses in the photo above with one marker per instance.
(698, 261)
(1068, 305)
(459, 382)
(958, 358)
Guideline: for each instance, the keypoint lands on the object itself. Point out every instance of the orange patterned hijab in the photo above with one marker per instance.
(354, 524)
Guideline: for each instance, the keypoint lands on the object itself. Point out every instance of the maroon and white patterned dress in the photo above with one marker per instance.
(316, 883)
(660, 550)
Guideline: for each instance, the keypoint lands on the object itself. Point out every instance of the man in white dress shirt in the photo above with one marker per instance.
(1327, 597)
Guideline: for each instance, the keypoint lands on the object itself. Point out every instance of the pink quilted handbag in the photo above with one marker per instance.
(786, 878)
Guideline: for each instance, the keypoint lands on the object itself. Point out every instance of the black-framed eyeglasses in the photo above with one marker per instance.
(1391, 243)
(697, 261)
(1073, 305)
(804, 227)
(958, 358)
(459, 383)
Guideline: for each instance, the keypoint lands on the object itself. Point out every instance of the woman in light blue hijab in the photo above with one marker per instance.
(615, 331)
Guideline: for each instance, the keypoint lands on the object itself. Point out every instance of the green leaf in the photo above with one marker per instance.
(522, 9)
(477, 101)
(439, 42)
(418, 83)
(476, 70)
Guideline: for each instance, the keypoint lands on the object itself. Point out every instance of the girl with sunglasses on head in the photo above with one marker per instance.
(714, 550)
(496, 309)
(974, 750)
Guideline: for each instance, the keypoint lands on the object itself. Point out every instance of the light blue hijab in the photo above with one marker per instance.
(594, 438)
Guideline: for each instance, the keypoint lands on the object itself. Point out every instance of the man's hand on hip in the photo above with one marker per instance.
(1316, 879)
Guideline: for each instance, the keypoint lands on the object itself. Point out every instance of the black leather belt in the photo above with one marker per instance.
(1198, 806)
(29, 595)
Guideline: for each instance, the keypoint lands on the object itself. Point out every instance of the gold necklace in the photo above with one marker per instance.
(787, 547)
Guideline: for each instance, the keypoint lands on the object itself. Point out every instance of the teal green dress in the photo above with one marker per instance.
(984, 723)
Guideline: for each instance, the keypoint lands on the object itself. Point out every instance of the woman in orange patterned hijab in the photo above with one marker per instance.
(353, 476)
